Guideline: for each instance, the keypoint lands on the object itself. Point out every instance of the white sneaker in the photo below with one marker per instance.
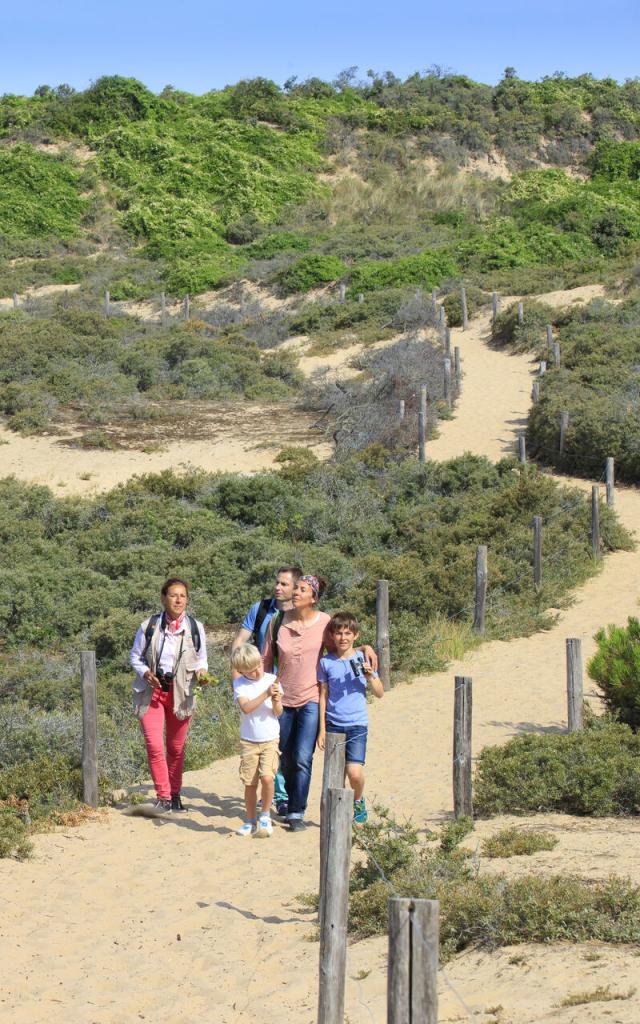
(265, 828)
(248, 829)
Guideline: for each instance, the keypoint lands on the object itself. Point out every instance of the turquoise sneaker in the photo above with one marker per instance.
(360, 813)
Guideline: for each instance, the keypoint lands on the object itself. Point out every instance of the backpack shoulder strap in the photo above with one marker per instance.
(195, 633)
(261, 615)
(149, 631)
(276, 622)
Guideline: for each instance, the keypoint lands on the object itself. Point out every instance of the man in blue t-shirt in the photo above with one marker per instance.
(254, 630)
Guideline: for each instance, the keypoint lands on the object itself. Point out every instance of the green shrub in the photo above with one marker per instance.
(513, 842)
(40, 194)
(616, 669)
(310, 272)
(479, 911)
(14, 840)
(453, 304)
(594, 772)
(426, 269)
(530, 334)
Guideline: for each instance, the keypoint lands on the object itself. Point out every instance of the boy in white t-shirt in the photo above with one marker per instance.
(258, 695)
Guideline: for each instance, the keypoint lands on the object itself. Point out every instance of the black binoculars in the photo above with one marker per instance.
(165, 679)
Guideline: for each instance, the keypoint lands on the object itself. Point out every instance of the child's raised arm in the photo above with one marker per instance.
(247, 705)
(373, 681)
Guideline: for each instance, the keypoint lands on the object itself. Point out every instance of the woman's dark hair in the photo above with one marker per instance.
(173, 582)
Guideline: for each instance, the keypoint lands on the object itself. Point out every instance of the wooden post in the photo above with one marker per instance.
(422, 446)
(481, 589)
(595, 522)
(537, 550)
(163, 309)
(543, 367)
(423, 400)
(564, 426)
(332, 778)
(441, 316)
(15, 300)
(107, 303)
(535, 392)
(88, 687)
(360, 298)
(412, 973)
(447, 382)
(401, 409)
(494, 307)
(383, 648)
(575, 699)
(457, 367)
(463, 303)
(522, 449)
(434, 301)
(447, 341)
(342, 289)
(610, 478)
(187, 307)
(462, 705)
(549, 336)
(520, 313)
(333, 930)
(556, 353)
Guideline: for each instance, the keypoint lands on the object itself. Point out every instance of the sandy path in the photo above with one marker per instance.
(91, 925)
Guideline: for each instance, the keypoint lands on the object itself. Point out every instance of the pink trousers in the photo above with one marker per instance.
(165, 768)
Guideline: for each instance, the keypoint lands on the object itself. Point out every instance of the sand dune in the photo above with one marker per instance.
(129, 919)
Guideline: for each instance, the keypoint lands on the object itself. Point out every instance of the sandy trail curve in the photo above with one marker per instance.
(182, 921)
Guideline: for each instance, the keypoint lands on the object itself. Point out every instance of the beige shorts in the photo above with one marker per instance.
(258, 760)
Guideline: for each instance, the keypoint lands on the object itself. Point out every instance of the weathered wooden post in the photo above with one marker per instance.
(107, 303)
(441, 316)
(522, 449)
(537, 550)
(15, 300)
(556, 353)
(447, 341)
(575, 699)
(360, 298)
(163, 309)
(542, 368)
(342, 291)
(564, 426)
(610, 479)
(412, 973)
(447, 382)
(89, 691)
(457, 367)
(423, 400)
(535, 392)
(187, 307)
(494, 307)
(401, 410)
(332, 778)
(422, 445)
(481, 589)
(549, 336)
(434, 301)
(333, 927)
(595, 522)
(463, 303)
(462, 707)
(520, 313)
(383, 647)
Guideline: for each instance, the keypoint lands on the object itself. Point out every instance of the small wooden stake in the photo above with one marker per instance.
(522, 449)
(401, 410)
(482, 578)
(462, 707)
(382, 633)
(333, 931)
(610, 478)
(595, 522)
(520, 313)
(537, 550)
(422, 449)
(89, 691)
(564, 426)
(457, 367)
(463, 303)
(494, 307)
(412, 979)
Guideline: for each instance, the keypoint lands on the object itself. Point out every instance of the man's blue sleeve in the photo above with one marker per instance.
(250, 618)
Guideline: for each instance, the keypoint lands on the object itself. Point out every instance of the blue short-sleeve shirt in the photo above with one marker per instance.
(347, 690)
(250, 620)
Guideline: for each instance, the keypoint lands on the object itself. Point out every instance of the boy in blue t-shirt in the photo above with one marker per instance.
(343, 679)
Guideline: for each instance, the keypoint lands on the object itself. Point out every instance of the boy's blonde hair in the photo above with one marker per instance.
(245, 658)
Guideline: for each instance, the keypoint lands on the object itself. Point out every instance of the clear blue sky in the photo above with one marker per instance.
(199, 45)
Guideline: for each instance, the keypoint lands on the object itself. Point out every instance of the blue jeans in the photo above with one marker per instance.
(298, 734)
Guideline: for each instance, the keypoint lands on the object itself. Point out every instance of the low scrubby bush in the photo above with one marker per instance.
(310, 272)
(593, 772)
(513, 842)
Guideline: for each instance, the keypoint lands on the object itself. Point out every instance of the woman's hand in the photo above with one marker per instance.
(321, 739)
(151, 679)
(203, 676)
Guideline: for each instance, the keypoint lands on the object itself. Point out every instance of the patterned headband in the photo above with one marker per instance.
(313, 583)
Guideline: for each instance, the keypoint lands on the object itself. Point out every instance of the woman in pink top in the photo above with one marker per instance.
(300, 643)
